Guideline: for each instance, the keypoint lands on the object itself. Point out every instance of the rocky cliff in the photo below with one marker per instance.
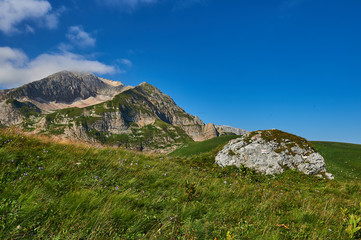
(271, 152)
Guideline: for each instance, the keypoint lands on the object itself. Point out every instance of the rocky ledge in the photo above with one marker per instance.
(271, 152)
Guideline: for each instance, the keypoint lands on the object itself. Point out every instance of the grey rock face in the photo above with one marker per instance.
(9, 115)
(267, 153)
(64, 87)
(223, 130)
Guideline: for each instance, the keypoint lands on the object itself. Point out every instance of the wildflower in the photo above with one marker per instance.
(96, 177)
(165, 174)
(116, 188)
(25, 174)
(12, 160)
(20, 178)
(330, 229)
(37, 156)
(41, 168)
(17, 168)
(100, 180)
(170, 218)
(225, 182)
(105, 186)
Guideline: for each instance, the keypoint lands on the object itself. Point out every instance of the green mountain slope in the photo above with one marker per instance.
(57, 191)
(195, 148)
(342, 159)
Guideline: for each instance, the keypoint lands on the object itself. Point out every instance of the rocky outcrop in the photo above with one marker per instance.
(209, 131)
(228, 130)
(13, 112)
(9, 115)
(271, 152)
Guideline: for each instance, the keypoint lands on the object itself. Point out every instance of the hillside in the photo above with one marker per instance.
(344, 159)
(64, 191)
(196, 148)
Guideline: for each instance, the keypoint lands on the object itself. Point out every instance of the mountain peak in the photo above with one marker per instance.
(145, 84)
(70, 74)
(78, 73)
(66, 87)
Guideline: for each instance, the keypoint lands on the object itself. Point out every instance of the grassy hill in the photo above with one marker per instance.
(195, 148)
(71, 191)
(342, 159)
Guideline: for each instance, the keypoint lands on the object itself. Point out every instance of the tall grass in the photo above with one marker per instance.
(62, 191)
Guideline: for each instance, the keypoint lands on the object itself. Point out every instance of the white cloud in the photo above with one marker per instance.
(126, 62)
(14, 12)
(17, 69)
(79, 37)
(127, 5)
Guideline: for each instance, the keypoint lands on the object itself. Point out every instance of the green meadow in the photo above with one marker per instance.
(342, 159)
(50, 190)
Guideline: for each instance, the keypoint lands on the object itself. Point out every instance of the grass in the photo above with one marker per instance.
(196, 148)
(342, 159)
(71, 191)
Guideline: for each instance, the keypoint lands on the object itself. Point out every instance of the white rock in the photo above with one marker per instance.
(272, 156)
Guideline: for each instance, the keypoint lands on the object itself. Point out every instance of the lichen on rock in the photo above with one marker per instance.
(271, 152)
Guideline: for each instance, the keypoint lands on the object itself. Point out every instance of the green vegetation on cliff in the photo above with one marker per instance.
(57, 191)
(159, 135)
(27, 109)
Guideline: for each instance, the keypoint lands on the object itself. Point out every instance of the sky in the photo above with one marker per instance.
(293, 65)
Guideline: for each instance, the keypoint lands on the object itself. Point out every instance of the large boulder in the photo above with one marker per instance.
(271, 152)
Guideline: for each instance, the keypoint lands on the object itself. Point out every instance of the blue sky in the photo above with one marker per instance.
(293, 65)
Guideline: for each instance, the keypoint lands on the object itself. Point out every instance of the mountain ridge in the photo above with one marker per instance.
(100, 110)
(65, 88)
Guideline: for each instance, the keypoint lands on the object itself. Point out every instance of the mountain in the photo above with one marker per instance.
(85, 107)
(66, 89)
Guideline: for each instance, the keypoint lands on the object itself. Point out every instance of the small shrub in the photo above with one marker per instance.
(354, 226)
(353, 222)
